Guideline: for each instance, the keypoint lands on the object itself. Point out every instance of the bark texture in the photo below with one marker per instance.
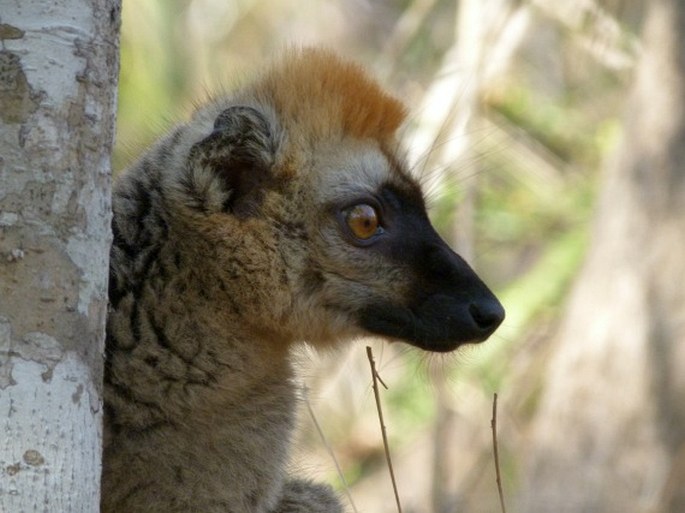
(58, 77)
(610, 432)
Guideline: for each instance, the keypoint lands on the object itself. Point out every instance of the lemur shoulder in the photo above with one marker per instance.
(281, 213)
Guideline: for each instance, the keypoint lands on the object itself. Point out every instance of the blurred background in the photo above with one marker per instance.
(550, 136)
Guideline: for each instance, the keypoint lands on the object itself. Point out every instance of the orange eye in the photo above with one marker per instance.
(363, 221)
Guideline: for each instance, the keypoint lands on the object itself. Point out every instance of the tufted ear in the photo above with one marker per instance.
(229, 169)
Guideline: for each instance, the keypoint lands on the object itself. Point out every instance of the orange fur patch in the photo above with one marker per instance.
(328, 97)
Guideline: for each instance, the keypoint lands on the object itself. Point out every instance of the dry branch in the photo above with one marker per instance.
(376, 378)
(493, 424)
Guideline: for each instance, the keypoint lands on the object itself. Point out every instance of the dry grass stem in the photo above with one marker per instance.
(328, 447)
(493, 424)
(376, 378)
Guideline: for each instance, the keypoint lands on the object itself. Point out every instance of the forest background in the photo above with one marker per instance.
(546, 133)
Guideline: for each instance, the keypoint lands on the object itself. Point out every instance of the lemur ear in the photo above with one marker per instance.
(229, 169)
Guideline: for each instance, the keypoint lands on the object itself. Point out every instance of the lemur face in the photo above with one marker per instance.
(311, 151)
(361, 253)
(383, 264)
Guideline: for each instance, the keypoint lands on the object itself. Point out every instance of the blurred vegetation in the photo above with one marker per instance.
(542, 123)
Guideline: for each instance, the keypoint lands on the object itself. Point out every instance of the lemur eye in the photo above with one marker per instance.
(363, 221)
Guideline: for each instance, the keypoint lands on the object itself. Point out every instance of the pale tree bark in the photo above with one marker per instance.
(58, 76)
(610, 432)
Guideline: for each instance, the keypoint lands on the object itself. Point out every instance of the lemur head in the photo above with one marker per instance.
(307, 156)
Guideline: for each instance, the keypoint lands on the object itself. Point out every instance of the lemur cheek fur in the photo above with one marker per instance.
(277, 214)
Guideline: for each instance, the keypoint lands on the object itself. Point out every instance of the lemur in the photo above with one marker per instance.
(282, 213)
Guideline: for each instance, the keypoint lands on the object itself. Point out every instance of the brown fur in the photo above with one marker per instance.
(353, 105)
(229, 247)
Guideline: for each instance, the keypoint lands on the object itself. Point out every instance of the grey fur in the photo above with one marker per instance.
(230, 246)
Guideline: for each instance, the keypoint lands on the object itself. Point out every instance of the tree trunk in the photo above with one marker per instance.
(610, 431)
(58, 77)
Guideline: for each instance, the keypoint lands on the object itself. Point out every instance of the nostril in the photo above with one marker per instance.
(488, 314)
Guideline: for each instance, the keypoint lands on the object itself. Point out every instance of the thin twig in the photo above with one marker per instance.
(329, 449)
(493, 424)
(376, 378)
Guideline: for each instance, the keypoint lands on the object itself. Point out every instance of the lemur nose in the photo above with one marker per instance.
(488, 314)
